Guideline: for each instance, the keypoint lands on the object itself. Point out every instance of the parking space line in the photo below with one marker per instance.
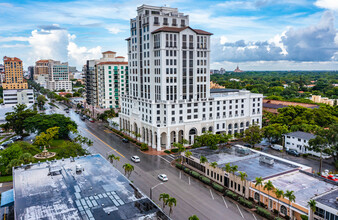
(212, 196)
(254, 216)
(180, 175)
(189, 179)
(171, 156)
(226, 205)
(163, 158)
(239, 210)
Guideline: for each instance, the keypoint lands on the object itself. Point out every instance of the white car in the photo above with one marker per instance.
(135, 159)
(163, 177)
(277, 147)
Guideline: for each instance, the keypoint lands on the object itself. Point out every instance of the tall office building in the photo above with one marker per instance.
(41, 72)
(106, 80)
(58, 76)
(169, 95)
(13, 74)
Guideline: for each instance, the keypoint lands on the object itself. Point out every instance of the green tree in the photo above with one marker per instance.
(243, 177)
(193, 217)
(15, 119)
(291, 197)
(227, 168)
(259, 183)
(83, 140)
(41, 100)
(319, 144)
(171, 202)
(26, 158)
(128, 169)
(275, 132)
(234, 169)
(164, 197)
(44, 139)
(312, 204)
(13, 163)
(40, 123)
(203, 159)
(269, 187)
(213, 164)
(188, 154)
(253, 135)
(279, 194)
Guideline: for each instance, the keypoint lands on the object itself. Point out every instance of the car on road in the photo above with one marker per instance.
(15, 138)
(91, 120)
(293, 152)
(277, 147)
(67, 111)
(125, 140)
(6, 143)
(163, 177)
(135, 159)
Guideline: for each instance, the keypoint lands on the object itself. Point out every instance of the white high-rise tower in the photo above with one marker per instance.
(169, 88)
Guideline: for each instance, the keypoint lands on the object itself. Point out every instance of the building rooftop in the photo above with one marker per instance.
(54, 190)
(301, 134)
(246, 160)
(108, 52)
(223, 90)
(329, 199)
(113, 63)
(304, 185)
(177, 30)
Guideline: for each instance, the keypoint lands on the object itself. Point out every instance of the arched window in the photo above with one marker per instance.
(242, 124)
(210, 129)
(204, 129)
(283, 210)
(256, 196)
(236, 125)
(247, 124)
(230, 126)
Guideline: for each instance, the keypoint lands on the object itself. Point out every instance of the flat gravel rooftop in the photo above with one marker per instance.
(98, 192)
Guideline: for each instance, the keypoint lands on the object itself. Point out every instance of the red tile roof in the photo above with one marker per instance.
(120, 57)
(113, 63)
(42, 61)
(108, 52)
(177, 30)
(11, 59)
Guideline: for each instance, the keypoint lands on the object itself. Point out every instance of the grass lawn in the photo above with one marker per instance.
(6, 179)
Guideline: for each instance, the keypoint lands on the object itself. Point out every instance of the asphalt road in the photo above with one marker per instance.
(193, 197)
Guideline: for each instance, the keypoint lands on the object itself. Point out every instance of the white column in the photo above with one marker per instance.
(158, 142)
(168, 141)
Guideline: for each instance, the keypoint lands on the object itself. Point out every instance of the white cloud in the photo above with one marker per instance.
(14, 46)
(117, 28)
(78, 55)
(327, 4)
(9, 39)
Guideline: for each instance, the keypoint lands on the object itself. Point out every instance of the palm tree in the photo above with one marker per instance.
(227, 168)
(312, 203)
(188, 154)
(291, 197)
(268, 186)
(279, 194)
(234, 169)
(117, 158)
(203, 159)
(164, 197)
(213, 164)
(259, 182)
(111, 158)
(193, 217)
(243, 176)
(26, 158)
(128, 169)
(171, 202)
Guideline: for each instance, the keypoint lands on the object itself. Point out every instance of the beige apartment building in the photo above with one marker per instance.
(13, 74)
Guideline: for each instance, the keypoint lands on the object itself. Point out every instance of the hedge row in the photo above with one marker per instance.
(245, 202)
(218, 187)
(231, 194)
(263, 212)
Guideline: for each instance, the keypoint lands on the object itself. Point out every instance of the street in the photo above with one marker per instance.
(193, 197)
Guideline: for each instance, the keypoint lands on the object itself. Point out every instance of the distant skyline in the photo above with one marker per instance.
(256, 34)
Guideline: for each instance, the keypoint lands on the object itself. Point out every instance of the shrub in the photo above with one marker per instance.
(231, 195)
(277, 218)
(179, 166)
(167, 152)
(251, 199)
(305, 155)
(174, 150)
(138, 144)
(218, 187)
(287, 217)
(245, 202)
(275, 211)
(205, 180)
(187, 170)
(195, 174)
(263, 212)
(304, 217)
(144, 147)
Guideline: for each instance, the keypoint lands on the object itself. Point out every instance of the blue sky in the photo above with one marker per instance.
(255, 34)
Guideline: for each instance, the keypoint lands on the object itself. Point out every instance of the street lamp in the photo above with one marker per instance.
(151, 189)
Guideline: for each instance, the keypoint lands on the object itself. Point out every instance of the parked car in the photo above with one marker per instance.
(247, 145)
(67, 111)
(163, 177)
(277, 147)
(83, 118)
(15, 138)
(135, 159)
(327, 175)
(91, 120)
(2, 148)
(293, 152)
(125, 140)
(6, 143)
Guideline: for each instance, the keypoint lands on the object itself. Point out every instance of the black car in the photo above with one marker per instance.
(293, 152)
(125, 140)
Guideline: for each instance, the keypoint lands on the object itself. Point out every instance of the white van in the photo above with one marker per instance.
(277, 147)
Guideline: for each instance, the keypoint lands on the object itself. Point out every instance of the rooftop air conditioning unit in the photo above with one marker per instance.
(267, 160)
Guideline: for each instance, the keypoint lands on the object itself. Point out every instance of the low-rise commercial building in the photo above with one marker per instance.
(87, 187)
(327, 206)
(18, 96)
(272, 106)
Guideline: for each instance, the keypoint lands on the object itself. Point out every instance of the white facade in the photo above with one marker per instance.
(59, 76)
(299, 141)
(169, 89)
(18, 96)
(42, 79)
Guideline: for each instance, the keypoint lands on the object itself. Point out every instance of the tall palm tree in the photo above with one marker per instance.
(128, 169)
(117, 158)
(279, 194)
(243, 176)
(164, 197)
(111, 158)
(259, 182)
(213, 164)
(171, 202)
(193, 217)
(291, 197)
(312, 203)
(268, 186)
(203, 159)
(227, 168)
(234, 169)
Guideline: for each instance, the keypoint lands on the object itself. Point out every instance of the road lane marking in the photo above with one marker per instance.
(189, 179)
(240, 211)
(226, 205)
(171, 156)
(212, 196)
(254, 216)
(180, 174)
(163, 158)
(105, 143)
